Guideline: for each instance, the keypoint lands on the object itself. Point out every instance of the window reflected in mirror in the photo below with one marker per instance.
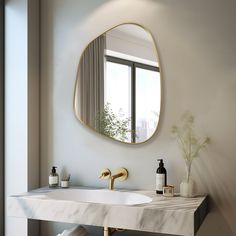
(118, 88)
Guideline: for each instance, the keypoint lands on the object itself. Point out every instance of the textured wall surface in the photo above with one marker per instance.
(196, 42)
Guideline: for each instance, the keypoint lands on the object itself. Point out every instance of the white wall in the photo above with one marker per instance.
(196, 41)
(122, 42)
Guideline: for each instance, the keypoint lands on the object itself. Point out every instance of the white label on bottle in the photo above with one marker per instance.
(160, 181)
(53, 180)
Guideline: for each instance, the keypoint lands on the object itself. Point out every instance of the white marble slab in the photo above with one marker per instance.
(177, 215)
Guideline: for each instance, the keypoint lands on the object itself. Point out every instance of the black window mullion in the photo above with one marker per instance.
(118, 60)
(133, 104)
(146, 67)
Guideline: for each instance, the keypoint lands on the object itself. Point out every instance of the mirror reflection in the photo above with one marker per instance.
(118, 90)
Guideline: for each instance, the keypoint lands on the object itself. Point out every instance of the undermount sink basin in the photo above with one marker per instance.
(99, 196)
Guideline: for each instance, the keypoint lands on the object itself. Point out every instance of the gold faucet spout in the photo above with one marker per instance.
(112, 180)
(117, 176)
(121, 175)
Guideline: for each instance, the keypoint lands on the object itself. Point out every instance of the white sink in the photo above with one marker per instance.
(99, 196)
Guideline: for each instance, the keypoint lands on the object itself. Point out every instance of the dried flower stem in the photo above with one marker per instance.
(187, 140)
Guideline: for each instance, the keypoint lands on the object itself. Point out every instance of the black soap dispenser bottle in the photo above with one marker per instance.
(161, 177)
(53, 178)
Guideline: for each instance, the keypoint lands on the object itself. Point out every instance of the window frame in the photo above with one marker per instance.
(133, 65)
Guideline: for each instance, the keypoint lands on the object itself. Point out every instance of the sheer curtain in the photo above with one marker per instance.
(90, 82)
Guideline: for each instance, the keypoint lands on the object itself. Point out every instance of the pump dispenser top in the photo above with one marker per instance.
(54, 169)
(161, 163)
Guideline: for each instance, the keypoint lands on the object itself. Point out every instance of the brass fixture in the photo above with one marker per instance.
(105, 174)
(109, 231)
(122, 174)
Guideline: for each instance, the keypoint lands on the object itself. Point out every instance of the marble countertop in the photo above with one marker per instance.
(176, 215)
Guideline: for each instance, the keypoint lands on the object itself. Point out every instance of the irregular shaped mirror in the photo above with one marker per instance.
(118, 89)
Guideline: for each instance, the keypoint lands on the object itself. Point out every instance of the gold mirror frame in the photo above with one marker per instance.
(161, 86)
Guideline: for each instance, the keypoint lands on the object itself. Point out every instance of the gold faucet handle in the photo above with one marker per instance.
(105, 174)
(124, 173)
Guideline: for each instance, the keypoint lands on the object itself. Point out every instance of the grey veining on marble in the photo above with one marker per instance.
(179, 216)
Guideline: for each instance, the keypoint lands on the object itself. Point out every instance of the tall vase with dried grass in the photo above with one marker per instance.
(190, 146)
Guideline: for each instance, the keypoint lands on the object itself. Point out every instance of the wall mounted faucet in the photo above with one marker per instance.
(122, 174)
